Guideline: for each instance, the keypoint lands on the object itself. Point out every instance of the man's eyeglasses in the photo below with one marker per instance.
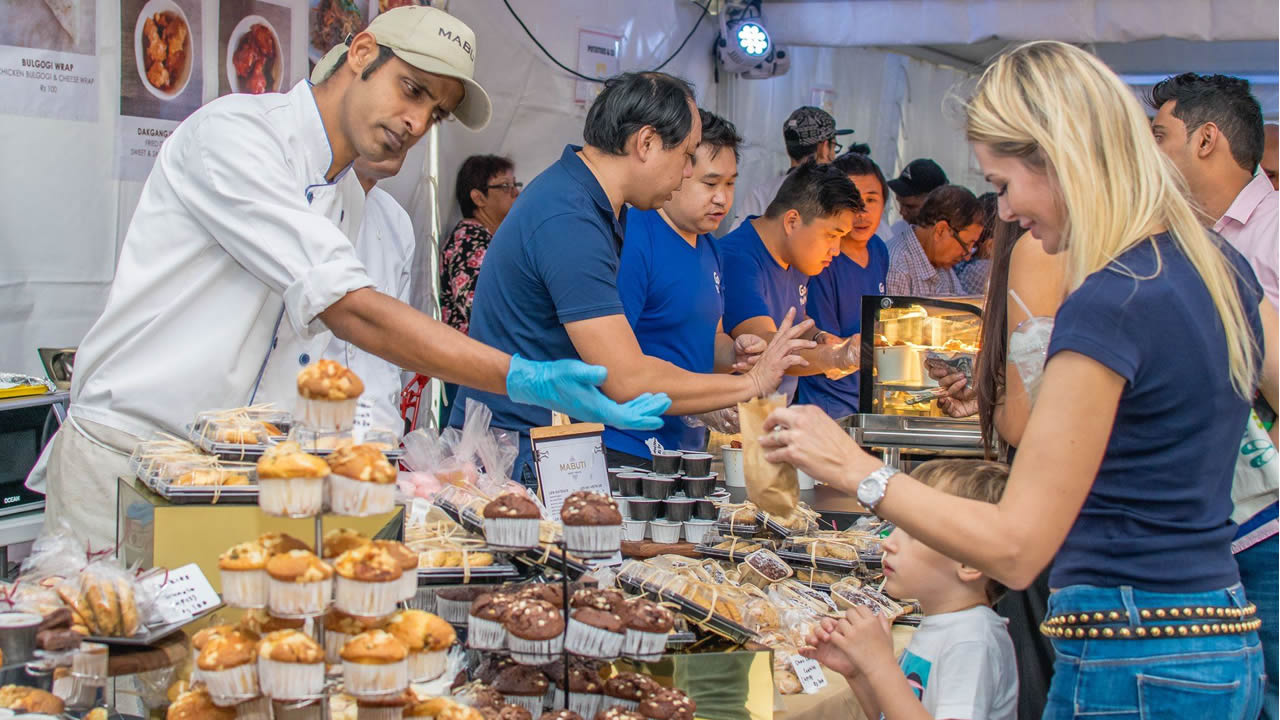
(507, 187)
(836, 147)
(968, 249)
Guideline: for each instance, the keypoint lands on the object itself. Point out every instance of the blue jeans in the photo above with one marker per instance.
(1259, 576)
(1218, 677)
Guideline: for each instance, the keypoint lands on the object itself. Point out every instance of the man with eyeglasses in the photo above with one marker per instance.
(809, 134)
(922, 258)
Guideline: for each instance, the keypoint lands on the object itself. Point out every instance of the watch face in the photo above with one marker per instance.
(868, 491)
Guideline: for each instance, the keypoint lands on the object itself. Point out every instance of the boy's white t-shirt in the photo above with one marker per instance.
(961, 665)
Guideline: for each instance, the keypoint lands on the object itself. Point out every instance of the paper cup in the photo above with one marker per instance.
(733, 475)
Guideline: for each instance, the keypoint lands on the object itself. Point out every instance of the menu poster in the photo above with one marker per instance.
(332, 21)
(253, 47)
(569, 458)
(48, 59)
(161, 77)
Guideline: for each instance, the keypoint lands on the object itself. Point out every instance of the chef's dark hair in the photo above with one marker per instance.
(719, 134)
(1223, 100)
(952, 203)
(475, 174)
(815, 190)
(384, 55)
(631, 101)
(858, 164)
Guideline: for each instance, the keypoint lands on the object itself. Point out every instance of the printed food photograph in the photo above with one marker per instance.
(165, 39)
(255, 59)
(332, 21)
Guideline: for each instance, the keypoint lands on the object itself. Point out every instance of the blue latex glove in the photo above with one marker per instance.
(573, 387)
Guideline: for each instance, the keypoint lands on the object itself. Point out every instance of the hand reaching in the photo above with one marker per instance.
(780, 356)
(822, 647)
(746, 351)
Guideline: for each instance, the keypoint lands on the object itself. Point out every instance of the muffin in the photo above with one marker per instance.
(585, 691)
(276, 543)
(441, 708)
(491, 665)
(229, 669)
(626, 689)
(362, 482)
(427, 639)
(290, 666)
(340, 628)
(388, 708)
(327, 396)
(523, 686)
(595, 633)
(618, 712)
(667, 704)
(300, 584)
(535, 632)
(454, 603)
(291, 482)
(512, 520)
(31, 700)
(485, 630)
(367, 582)
(243, 569)
(260, 622)
(547, 592)
(561, 715)
(209, 634)
(647, 624)
(592, 524)
(374, 666)
(598, 598)
(408, 561)
(196, 704)
(340, 540)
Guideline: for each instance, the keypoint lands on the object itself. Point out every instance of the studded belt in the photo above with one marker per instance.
(1166, 622)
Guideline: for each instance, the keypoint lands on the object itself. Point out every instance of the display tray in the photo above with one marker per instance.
(805, 560)
(153, 635)
(500, 572)
(722, 554)
(552, 558)
(694, 613)
(251, 452)
(205, 495)
(738, 529)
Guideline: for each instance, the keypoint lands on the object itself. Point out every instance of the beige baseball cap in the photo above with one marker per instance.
(431, 40)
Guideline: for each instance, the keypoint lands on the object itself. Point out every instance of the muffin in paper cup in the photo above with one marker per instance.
(427, 638)
(592, 524)
(291, 599)
(291, 497)
(595, 634)
(244, 588)
(593, 539)
(375, 681)
(333, 642)
(290, 681)
(408, 561)
(485, 634)
(368, 599)
(356, 498)
(233, 685)
(327, 396)
(534, 652)
(512, 520)
(532, 703)
(644, 646)
(585, 704)
(427, 665)
(453, 611)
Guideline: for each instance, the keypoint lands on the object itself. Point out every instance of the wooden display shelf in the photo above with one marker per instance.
(645, 549)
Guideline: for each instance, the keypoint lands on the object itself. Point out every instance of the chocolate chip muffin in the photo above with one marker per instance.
(618, 712)
(535, 631)
(523, 686)
(485, 630)
(647, 626)
(514, 712)
(667, 704)
(592, 524)
(595, 633)
(585, 688)
(627, 689)
(598, 598)
(454, 603)
(512, 520)
(560, 715)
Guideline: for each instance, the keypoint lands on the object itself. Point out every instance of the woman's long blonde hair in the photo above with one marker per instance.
(1060, 109)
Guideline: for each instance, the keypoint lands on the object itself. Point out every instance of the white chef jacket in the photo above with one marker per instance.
(235, 222)
(385, 245)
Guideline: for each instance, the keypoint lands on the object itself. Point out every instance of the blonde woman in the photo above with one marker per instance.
(1123, 473)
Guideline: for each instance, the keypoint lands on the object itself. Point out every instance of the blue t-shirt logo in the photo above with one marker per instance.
(715, 275)
(804, 295)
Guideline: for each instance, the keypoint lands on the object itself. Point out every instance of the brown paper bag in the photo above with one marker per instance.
(772, 487)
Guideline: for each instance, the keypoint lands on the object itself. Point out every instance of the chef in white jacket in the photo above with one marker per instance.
(243, 229)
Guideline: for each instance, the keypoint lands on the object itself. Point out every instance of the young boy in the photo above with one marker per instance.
(959, 664)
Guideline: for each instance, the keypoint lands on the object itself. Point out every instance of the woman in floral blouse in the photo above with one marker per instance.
(486, 189)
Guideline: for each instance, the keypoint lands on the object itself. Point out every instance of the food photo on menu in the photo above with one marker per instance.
(59, 25)
(253, 42)
(160, 69)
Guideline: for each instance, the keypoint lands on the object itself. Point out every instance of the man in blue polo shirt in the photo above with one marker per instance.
(548, 286)
(835, 295)
(768, 261)
(669, 280)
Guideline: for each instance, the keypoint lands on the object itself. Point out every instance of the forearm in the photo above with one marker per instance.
(865, 695)
(401, 335)
(893, 696)
(690, 393)
(725, 355)
(822, 358)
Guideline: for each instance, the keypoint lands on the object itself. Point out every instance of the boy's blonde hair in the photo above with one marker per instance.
(971, 479)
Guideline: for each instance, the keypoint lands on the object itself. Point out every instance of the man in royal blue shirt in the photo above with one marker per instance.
(548, 285)
(768, 261)
(669, 280)
(835, 295)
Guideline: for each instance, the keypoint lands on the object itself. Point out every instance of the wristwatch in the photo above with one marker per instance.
(872, 488)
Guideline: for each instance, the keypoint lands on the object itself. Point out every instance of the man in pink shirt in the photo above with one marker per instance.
(1211, 127)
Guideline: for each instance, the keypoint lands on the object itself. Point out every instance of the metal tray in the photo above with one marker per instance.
(695, 613)
(738, 529)
(805, 560)
(722, 554)
(153, 635)
(500, 572)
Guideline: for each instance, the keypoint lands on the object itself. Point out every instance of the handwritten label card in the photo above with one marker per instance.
(810, 674)
(181, 595)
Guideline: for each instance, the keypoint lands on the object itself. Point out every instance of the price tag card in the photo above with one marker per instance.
(810, 673)
(181, 595)
(363, 421)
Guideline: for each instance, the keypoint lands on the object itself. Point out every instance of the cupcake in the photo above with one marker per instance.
(595, 633)
(485, 630)
(512, 712)
(362, 482)
(598, 598)
(524, 686)
(441, 708)
(374, 666)
(260, 622)
(408, 561)
(340, 628)
(327, 396)
(618, 712)
(512, 520)
(290, 666)
(427, 638)
(491, 666)
(340, 540)
(228, 668)
(291, 482)
(535, 632)
(585, 688)
(197, 704)
(648, 624)
(667, 704)
(626, 689)
(547, 592)
(276, 543)
(453, 604)
(561, 715)
(243, 569)
(592, 524)
(367, 583)
(387, 708)
(300, 584)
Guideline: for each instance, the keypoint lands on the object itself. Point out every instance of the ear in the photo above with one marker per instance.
(940, 229)
(363, 51)
(646, 142)
(968, 574)
(791, 220)
(1206, 138)
(478, 198)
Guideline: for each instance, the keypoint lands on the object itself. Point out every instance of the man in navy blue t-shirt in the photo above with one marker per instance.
(768, 261)
(669, 281)
(835, 295)
(548, 286)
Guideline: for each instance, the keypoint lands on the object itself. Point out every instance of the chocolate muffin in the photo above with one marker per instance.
(454, 603)
(560, 715)
(514, 712)
(618, 712)
(626, 689)
(595, 633)
(491, 666)
(523, 686)
(585, 687)
(512, 520)
(647, 626)
(667, 704)
(592, 523)
(485, 630)
(535, 631)
(483, 696)
(547, 592)
(598, 598)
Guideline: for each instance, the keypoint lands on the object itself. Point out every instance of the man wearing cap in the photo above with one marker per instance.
(809, 134)
(917, 180)
(239, 252)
